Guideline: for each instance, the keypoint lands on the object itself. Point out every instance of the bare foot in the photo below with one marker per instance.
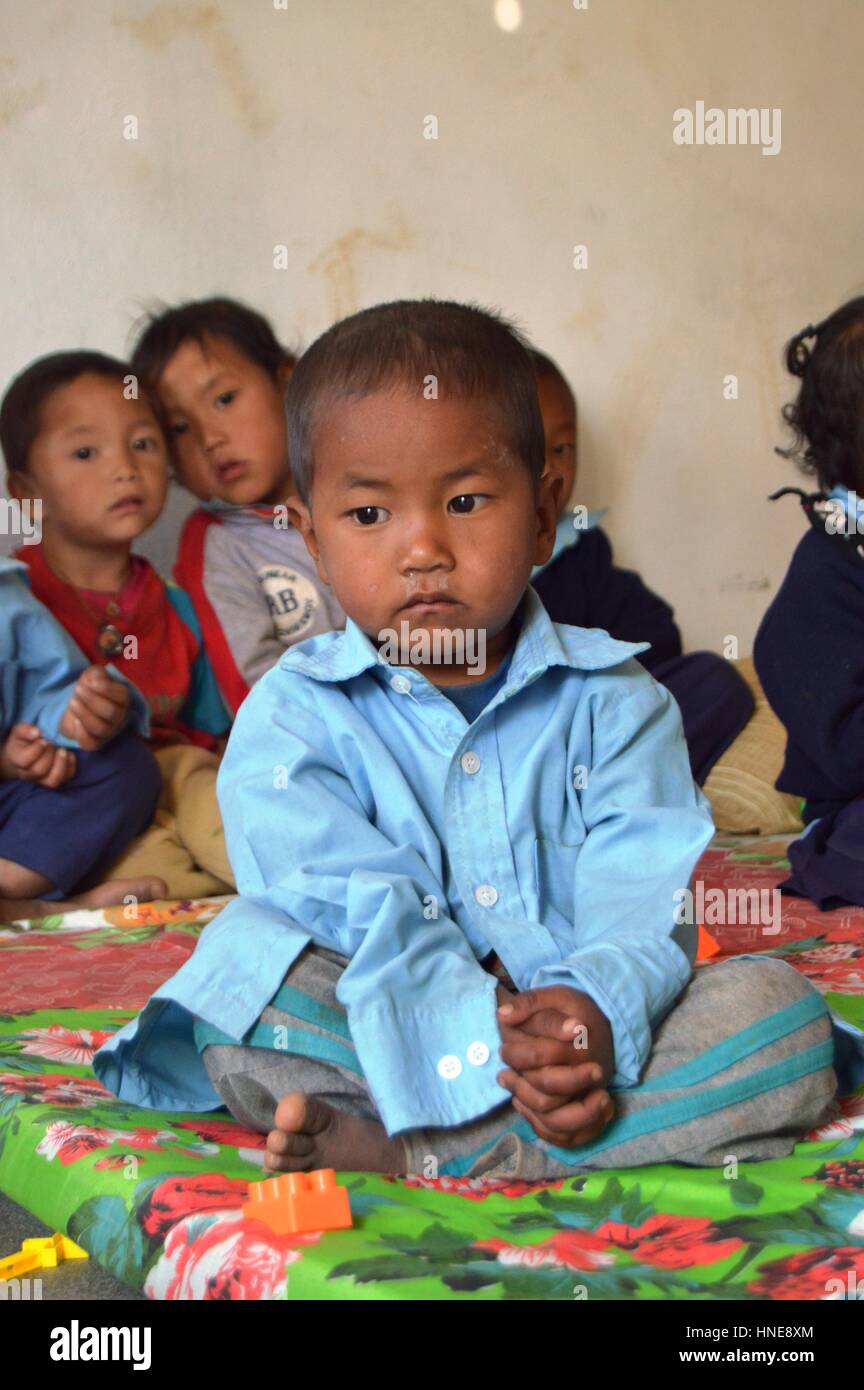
(109, 894)
(310, 1134)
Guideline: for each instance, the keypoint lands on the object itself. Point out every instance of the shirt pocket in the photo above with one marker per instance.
(554, 876)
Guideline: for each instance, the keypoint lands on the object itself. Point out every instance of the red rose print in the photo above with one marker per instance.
(64, 1044)
(177, 1198)
(671, 1242)
(571, 1249)
(476, 1189)
(50, 1088)
(668, 1242)
(70, 1142)
(224, 1257)
(807, 1276)
(225, 1132)
(841, 1173)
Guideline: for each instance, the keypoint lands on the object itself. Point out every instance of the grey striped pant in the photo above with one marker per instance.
(740, 1068)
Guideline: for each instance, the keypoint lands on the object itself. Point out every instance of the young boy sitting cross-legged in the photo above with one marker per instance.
(77, 783)
(460, 831)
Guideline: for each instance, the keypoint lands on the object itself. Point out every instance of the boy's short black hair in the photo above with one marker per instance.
(827, 416)
(468, 351)
(199, 319)
(21, 409)
(548, 370)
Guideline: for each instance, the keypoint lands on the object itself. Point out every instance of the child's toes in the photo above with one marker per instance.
(286, 1152)
(291, 1113)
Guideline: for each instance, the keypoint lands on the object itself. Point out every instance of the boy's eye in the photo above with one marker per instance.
(178, 427)
(468, 502)
(225, 398)
(84, 452)
(368, 516)
(143, 442)
(564, 449)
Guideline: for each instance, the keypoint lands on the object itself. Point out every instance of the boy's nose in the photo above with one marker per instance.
(128, 464)
(425, 548)
(211, 435)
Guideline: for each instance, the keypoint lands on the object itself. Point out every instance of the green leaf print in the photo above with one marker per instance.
(102, 1226)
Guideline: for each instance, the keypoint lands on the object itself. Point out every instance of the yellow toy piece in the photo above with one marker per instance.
(42, 1252)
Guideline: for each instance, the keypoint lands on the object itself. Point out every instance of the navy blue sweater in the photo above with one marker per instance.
(582, 586)
(809, 654)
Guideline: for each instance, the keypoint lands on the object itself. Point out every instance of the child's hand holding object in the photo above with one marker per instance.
(557, 1046)
(96, 710)
(28, 757)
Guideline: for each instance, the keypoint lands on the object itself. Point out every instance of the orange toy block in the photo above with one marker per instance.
(707, 948)
(295, 1202)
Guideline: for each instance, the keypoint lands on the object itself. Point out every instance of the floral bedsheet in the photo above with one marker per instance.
(156, 1198)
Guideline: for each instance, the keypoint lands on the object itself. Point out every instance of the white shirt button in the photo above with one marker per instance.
(449, 1067)
(486, 895)
(478, 1054)
(400, 684)
(470, 762)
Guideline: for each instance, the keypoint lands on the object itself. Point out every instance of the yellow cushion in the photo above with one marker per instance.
(740, 786)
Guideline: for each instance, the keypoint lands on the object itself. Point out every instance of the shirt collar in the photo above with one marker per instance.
(339, 656)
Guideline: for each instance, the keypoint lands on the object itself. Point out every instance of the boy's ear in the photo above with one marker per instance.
(283, 372)
(19, 485)
(300, 516)
(549, 502)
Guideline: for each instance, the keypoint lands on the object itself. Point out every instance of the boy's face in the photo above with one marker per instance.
(417, 499)
(98, 462)
(558, 409)
(226, 424)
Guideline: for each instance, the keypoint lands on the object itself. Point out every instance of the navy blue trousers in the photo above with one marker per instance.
(70, 835)
(715, 702)
(828, 860)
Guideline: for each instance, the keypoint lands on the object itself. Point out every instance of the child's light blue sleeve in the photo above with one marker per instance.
(647, 823)
(204, 708)
(40, 665)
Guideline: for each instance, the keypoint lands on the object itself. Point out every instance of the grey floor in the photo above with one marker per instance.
(80, 1280)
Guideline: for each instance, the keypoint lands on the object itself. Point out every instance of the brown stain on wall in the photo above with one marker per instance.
(338, 261)
(13, 105)
(163, 23)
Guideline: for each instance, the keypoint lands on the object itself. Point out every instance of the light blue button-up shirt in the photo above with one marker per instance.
(354, 794)
(40, 664)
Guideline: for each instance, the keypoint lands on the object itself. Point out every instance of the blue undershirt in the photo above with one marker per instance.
(471, 699)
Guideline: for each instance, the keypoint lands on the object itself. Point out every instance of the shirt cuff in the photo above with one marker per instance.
(138, 715)
(630, 1012)
(433, 1066)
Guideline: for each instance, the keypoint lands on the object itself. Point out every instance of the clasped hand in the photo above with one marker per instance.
(558, 1051)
